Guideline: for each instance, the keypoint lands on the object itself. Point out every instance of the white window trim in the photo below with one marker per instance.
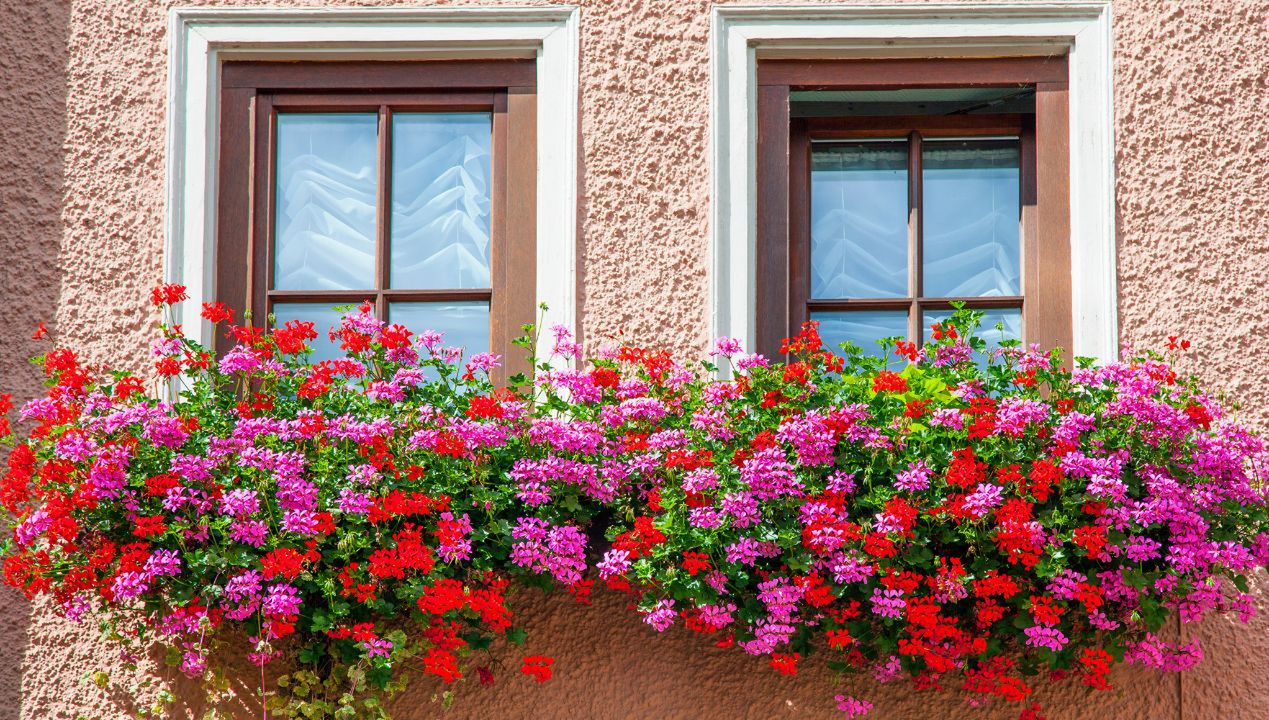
(200, 38)
(740, 35)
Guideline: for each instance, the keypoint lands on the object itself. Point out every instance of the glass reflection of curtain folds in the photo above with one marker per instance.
(325, 211)
(325, 234)
(971, 208)
(440, 200)
(859, 220)
(861, 327)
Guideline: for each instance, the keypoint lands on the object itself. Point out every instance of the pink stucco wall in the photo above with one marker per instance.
(82, 93)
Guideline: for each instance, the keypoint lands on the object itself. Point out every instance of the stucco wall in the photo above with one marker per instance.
(82, 93)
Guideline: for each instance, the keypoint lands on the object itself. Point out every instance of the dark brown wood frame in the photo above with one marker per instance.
(783, 184)
(253, 92)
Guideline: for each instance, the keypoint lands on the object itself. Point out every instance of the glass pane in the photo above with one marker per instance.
(323, 316)
(861, 327)
(325, 213)
(1010, 318)
(465, 324)
(440, 200)
(859, 220)
(970, 230)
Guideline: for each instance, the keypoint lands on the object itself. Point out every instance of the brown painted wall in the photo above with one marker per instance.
(82, 94)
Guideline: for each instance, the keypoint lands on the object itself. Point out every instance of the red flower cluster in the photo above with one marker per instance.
(891, 382)
(169, 294)
(537, 667)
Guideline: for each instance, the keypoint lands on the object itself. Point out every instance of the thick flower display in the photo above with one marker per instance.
(961, 517)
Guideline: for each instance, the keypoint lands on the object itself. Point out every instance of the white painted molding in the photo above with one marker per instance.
(200, 38)
(742, 34)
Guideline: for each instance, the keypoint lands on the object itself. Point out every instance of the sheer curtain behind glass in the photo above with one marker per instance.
(972, 206)
(438, 237)
(441, 220)
(440, 200)
(327, 167)
(859, 220)
(861, 239)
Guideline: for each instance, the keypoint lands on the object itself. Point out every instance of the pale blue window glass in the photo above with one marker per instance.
(440, 200)
(1011, 319)
(464, 323)
(971, 205)
(323, 316)
(861, 327)
(325, 201)
(859, 220)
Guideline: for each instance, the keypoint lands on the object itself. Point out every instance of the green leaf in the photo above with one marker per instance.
(321, 620)
(379, 676)
(310, 654)
(517, 636)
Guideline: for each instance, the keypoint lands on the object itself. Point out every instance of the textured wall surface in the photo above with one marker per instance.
(82, 95)
(33, 55)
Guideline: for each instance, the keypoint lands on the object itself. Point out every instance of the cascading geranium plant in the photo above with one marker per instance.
(925, 514)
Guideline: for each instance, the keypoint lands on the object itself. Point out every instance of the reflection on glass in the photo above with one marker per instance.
(859, 220)
(325, 211)
(440, 200)
(970, 229)
(323, 316)
(863, 328)
(464, 323)
(1011, 319)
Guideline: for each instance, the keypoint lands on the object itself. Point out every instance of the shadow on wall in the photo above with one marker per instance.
(33, 57)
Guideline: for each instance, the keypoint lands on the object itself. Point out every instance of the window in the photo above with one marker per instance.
(408, 184)
(890, 189)
(907, 215)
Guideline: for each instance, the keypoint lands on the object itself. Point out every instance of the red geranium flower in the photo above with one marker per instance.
(287, 562)
(538, 667)
(293, 337)
(695, 562)
(169, 294)
(484, 407)
(785, 664)
(217, 312)
(149, 526)
(887, 381)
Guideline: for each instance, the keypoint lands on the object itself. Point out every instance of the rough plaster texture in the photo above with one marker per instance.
(82, 93)
(33, 56)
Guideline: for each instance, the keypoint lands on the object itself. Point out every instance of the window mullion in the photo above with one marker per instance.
(915, 264)
(383, 211)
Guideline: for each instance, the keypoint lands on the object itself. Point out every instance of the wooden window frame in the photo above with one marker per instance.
(783, 185)
(251, 95)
